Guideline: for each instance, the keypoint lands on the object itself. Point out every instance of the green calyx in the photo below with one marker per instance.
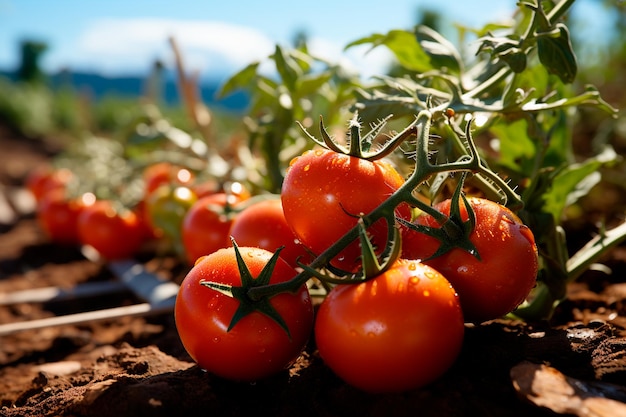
(246, 304)
(454, 232)
(361, 146)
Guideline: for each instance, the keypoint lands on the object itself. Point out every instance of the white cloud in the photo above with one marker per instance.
(131, 45)
(214, 49)
(361, 59)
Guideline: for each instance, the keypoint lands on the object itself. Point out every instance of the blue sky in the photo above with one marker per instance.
(117, 37)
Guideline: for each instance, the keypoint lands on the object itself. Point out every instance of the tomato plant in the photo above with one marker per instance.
(205, 226)
(325, 192)
(398, 331)
(116, 233)
(499, 276)
(263, 225)
(265, 336)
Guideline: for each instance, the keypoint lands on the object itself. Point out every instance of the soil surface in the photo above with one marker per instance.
(136, 366)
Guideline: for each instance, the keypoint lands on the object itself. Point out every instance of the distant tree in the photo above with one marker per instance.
(30, 68)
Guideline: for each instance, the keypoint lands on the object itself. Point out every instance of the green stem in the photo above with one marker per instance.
(544, 302)
(593, 250)
(423, 171)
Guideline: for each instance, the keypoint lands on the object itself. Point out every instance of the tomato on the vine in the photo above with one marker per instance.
(263, 225)
(324, 193)
(505, 272)
(256, 346)
(115, 234)
(398, 331)
(205, 226)
(58, 214)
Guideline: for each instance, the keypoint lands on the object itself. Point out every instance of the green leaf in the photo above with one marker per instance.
(405, 47)
(557, 54)
(241, 80)
(441, 51)
(288, 68)
(310, 84)
(517, 150)
(575, 181)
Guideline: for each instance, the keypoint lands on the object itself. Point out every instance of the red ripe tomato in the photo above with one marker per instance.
(507, 270)
(164, 173)
(323, 194)
(257, 346)
(263, 225)
(115, 234)
(46, 178)
(205, 227)
(58, 215)
(398, 331)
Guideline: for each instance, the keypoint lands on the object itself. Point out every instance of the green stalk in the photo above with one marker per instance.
(423, 171)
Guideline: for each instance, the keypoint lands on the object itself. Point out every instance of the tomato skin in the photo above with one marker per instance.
(58, 215)
(323, 194)
(495, 285)
(263, 225)
(205, 227)
(45, 178)
(114, 234)
(396, 332)
(256, 347)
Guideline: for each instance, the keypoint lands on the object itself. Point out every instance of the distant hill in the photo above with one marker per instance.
(99, 86)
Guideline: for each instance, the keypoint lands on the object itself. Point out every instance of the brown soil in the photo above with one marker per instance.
(136, 366)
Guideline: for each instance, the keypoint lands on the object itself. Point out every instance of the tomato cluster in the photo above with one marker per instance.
(397, 329)
(244, 310)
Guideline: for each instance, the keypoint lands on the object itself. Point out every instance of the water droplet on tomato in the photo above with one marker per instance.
(508, 220)
(412, 266)
(414, 280)
(319, 152)
(306, 167)
(426, 293)
(217, 339)
(430, 274)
